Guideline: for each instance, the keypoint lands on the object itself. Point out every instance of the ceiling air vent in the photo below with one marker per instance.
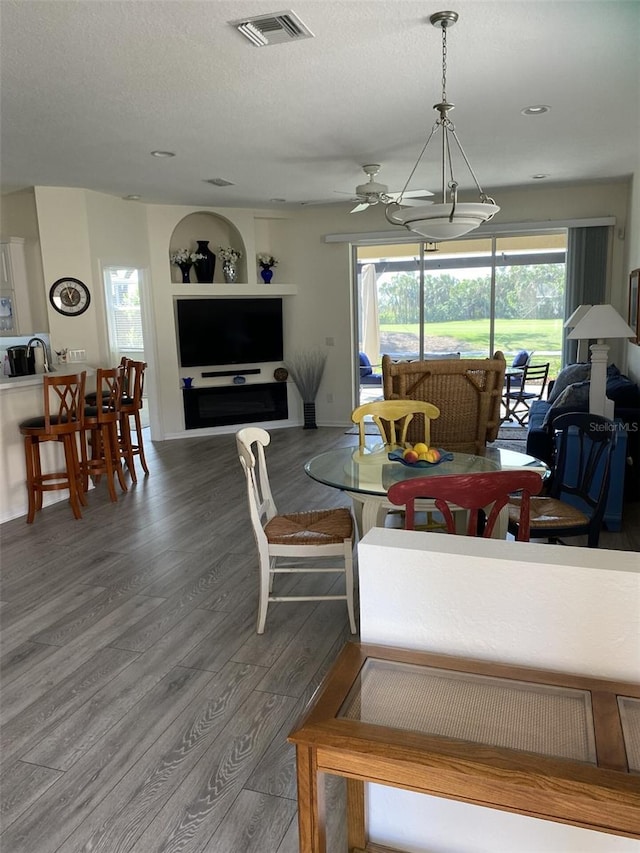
(279, 27)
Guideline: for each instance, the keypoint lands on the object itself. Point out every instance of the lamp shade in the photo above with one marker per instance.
(577, 315)
(601, 322)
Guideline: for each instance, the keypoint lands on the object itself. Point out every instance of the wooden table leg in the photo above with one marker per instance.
(312, 833)
(356, 832)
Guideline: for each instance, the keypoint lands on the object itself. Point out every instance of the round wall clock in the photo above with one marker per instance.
(69, 296)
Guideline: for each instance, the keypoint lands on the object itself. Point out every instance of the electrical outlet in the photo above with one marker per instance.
(329, 398)
(77, 355)
(330, 342)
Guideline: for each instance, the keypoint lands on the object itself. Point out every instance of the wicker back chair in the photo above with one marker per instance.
(467, 391)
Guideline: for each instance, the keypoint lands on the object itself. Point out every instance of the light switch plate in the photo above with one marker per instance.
(77, 355)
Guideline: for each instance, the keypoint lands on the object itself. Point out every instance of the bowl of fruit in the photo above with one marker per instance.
(419, 455)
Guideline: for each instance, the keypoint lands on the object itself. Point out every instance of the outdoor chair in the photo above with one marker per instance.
(467, 391)
(296, 536)
(518, 399)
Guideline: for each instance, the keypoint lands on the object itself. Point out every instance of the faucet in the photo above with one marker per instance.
(47, 367)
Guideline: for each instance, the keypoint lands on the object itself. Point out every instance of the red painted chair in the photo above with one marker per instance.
(471, 492)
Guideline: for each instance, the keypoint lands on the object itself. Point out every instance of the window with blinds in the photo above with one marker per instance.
(124, 314)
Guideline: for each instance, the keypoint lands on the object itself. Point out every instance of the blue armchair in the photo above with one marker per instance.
(367, 376)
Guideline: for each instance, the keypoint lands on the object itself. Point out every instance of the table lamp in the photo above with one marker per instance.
(601, 322)
(582, 353)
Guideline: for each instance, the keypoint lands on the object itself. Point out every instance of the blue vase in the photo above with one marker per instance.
(267, 274)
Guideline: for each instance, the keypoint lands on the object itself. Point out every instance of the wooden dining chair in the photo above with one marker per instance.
(393, 417)
(292, 536)
(577, 497)
(482, 495)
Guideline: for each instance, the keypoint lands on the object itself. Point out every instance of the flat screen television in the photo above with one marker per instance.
(229, 331)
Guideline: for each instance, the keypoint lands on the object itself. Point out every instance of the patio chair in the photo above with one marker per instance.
(294, 535)
(518, 399)
(467, 391)
(472, 492)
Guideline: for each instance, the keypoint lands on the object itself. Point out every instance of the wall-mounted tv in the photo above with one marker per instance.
(229, 331)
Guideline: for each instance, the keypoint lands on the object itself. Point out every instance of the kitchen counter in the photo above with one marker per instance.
(22, 399)
(36, 378)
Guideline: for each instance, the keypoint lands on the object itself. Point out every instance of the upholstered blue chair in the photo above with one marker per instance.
(367, 376)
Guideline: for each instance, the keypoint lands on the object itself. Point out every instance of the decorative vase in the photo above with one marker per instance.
(309, 410)
(230, 272)
(267, 274)
(206, 266)
(185, 269)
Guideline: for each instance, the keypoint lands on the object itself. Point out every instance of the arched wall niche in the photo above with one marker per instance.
(203, 225)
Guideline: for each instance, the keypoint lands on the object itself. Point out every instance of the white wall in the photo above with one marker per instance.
(633, 263)
(78, 229)
(569, 609)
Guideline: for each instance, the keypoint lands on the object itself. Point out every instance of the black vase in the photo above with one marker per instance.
(185, 269)
(206, 266)
(309, 410)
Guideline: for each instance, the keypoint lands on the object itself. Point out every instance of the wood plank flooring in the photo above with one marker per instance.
(140, 710)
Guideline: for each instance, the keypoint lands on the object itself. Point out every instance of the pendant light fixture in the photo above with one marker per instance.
(448, 219)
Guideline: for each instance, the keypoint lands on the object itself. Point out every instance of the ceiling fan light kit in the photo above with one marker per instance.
(447, 219)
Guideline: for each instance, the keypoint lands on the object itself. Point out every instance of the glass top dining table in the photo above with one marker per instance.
(366, 474)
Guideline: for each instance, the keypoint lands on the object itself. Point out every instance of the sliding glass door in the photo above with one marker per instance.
(471, 296)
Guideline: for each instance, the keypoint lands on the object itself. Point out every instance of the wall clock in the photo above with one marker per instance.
(69, 296)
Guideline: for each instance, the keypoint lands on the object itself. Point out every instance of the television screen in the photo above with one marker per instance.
(229, 331)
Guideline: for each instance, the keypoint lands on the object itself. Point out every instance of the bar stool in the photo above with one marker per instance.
(100, 432)
(62, 421)
(130, 407)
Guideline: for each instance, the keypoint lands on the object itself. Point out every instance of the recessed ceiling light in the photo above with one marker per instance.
(162, 154)
(535, 110)
(131, 197)
(539, 177)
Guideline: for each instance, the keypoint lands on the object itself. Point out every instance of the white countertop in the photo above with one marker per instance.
(8, 382)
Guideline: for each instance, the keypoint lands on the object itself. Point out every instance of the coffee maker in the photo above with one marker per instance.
(21, 360)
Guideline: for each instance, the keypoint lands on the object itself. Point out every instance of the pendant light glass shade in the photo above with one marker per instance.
(448, 219)
(434, 221)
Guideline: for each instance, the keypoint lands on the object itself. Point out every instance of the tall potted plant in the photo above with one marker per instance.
(306, 369)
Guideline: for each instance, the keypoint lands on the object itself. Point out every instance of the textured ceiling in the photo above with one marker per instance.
(89, 88)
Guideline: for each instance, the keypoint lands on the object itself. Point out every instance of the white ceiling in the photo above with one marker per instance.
(90, 87)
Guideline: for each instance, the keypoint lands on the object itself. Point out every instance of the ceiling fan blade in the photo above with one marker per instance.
(360, 207)
(417, 193)
(413, 202)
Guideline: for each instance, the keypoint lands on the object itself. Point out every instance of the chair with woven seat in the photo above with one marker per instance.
(100, 432)
(474, 493)
(62, 422)
(393, 419)
(519, 398)
(577, 497)
(292, 536)
(467, 391)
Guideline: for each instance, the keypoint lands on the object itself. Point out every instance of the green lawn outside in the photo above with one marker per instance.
(471, 336)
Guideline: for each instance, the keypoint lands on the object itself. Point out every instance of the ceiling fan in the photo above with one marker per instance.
(374, 193)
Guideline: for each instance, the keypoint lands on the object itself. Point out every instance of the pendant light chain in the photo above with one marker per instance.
(444, 64)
